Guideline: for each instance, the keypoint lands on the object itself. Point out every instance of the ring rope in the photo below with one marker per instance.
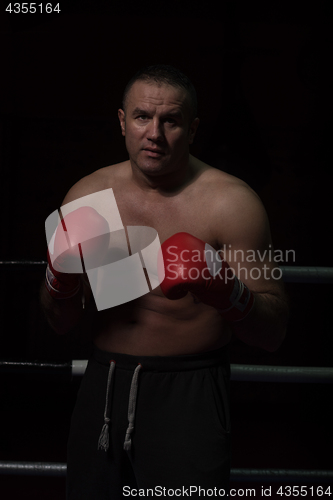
(290, 274)
(33, 468)
(307, 274)
(294, 374)
(263, 475)
(281, 475)
(253, 373)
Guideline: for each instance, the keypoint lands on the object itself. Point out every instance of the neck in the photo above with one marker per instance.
(164, 183)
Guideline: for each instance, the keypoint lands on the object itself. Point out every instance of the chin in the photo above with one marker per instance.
(151, 167)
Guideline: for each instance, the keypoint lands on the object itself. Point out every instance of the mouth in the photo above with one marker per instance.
(154, 152)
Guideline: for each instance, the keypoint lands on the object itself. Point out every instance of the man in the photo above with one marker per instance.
(158, 380)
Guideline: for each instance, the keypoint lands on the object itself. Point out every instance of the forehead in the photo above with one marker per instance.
(156, 95)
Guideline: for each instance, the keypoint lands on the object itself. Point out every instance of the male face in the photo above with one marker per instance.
(157, 127)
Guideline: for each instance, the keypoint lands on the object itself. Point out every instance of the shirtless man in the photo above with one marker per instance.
(182, 423)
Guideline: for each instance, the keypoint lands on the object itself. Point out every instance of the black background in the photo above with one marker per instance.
(262, 73)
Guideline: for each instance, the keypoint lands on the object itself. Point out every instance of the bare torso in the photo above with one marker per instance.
(153, 325)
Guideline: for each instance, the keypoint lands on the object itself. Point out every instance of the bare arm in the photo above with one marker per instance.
(64, 314)
(246, 240)
(266, 324)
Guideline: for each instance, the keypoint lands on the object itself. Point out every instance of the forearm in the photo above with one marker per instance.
(64, 314)
(265, 326)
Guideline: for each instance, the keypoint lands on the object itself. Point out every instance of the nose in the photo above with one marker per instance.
(155, 131)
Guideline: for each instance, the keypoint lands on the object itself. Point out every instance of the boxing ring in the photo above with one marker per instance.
(239, 373)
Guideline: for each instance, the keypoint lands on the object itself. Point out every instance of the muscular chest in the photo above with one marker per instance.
(169, 215)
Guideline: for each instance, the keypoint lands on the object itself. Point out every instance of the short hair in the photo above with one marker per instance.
(169, 75)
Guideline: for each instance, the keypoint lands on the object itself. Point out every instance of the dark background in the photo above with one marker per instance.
(262, 73)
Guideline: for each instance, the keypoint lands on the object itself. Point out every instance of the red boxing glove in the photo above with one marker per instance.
(191, 265)
(78, 228)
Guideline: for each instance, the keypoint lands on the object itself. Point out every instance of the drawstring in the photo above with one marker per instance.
(103, 441)
(131, 408)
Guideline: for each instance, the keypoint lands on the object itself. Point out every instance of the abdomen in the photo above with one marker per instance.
(155, 326)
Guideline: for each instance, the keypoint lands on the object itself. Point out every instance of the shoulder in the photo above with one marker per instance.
(236, 197)
(236, 209)
(102, 178)
(228, 192)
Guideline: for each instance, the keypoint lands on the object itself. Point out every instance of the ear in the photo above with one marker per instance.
(121, 116)
(193, 129)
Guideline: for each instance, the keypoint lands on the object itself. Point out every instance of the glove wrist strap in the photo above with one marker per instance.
(241, 302)
(57, 289)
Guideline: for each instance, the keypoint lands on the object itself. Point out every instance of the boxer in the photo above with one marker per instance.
(153, 406)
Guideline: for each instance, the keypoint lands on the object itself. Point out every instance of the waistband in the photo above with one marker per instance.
(148, 363)
(164, 363)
